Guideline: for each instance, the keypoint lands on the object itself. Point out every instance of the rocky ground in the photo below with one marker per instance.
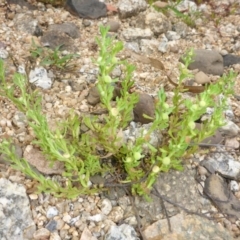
(147, 34)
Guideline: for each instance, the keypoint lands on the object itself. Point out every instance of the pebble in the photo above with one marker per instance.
(52, 212)
(201, 78)
(105, 206)
(41, 233)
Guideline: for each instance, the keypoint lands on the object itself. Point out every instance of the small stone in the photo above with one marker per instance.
(201, 78)
(60, 224)
(230, 129)
(116, 214)
(105, 206)
(134, 46)
(158, 23)
(129, 8)
(87, 235)
(96, 218)
(113, 25)
(234, 186)
(132, 34)
(20, 120)
(66, 218)
(93, 97)
(52, 212)
(160, 4)
(55, 236)
(86, 23)
(52, 226)
(42, 233)
(121, 232)
(33, 196)
(145, 106)
(39, 78)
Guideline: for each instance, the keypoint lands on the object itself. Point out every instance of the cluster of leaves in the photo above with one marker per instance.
(81, 152)
(52, 58)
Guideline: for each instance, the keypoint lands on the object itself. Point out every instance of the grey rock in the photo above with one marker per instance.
(230, 129)
(149, 46)
(122, 232)
(113, 25)
(181, 29)
(93, 97)
(39, 78)
(23, 3)
(131, 34)
(19, 119)
(234, 187)
(3, 53)
(134, 132)
(164, 45)
(187, 6)
(145, 106)
(171, 36)
(51, 226)
(27, 23)
(53, 39)
(216, 188)
(158, 23)
(105, 205)
(129, 8)
(134, 46)
(86, 23)
(86, 9)
(52, 212)
(184, 227)
(207, 61)
(173, 185)
(223, 163)
(69, 28)
(41, 233)
(230, 59)
(16, 221)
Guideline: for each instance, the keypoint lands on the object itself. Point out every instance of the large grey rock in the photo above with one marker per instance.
(129, 8)
(69, 28)
(223, 163)
(122, 232)
(178, 187)
(86, 9)
(230, 59)
(184, 227)
(157, 22)
(218, 190)
(16, 221)
(27, 23)
(53, 39)
(131, 34)
(207, 61)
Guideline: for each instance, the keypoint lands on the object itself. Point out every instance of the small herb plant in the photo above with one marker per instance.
(82, 153)
(52, 58)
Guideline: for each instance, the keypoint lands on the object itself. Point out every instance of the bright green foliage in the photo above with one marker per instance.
(80, 152)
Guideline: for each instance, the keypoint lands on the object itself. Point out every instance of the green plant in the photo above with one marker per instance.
(82, 153)
(52, 58)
